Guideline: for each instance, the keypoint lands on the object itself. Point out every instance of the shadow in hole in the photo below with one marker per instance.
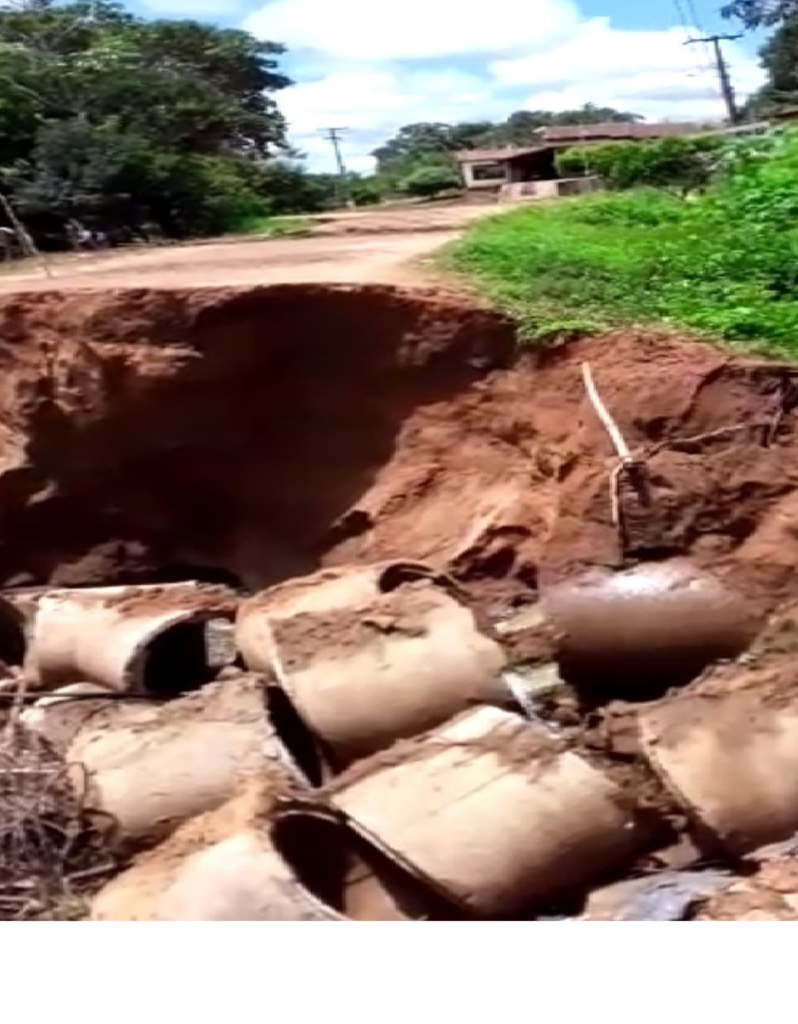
(228, 427)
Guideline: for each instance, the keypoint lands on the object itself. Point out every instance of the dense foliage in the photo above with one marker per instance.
(132, 125)
(431, 144)
(681, 164)
(725, 263)
(754, 13)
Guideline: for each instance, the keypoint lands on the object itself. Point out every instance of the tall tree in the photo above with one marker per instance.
(432, 143)
(98, 107)
(756, 13)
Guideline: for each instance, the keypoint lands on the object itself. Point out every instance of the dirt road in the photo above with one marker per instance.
(380, 247)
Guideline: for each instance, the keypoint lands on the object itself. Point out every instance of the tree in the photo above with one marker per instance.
(779, 58)
(101, 111)
(426, 142)
(681, 164)
(756, 13)
(432, 143)
(426, 182)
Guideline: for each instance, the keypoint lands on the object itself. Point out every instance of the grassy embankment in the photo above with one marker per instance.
(725, 264)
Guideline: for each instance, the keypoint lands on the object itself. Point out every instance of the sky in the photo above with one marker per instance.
(372, 66)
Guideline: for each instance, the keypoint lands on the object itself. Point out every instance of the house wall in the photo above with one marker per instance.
(477, 175)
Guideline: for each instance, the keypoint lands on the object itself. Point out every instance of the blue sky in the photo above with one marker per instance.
(373, 66)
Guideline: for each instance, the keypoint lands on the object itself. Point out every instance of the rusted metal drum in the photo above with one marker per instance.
(373, 654)
(731, 760)
(493, 813)
(140, 639)
(151, 768)
(240, 864)
(646, 628)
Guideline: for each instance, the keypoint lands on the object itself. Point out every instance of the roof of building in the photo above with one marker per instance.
(467, 156)
(616, 130)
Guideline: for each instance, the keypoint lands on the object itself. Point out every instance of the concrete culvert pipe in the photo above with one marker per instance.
(731, 760)
(13, 642)
(151, 768)
(635, 634)
(329, 590)
(241, 864)
(155, 640)
(492, 813)
(365, 667)
(61, 715)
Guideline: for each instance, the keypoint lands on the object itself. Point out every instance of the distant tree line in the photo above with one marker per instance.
(133, 128)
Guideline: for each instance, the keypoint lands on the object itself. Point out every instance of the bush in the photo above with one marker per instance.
(682, 164)
(725, 264)
(426, 182)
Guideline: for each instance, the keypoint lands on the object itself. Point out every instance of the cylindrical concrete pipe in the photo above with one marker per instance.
(239, 864)
(151, 639)
(646, 629)
(13, 641)
(731, 760)
(493, 813)
(61, 715)
(373, 654)
(151, 768)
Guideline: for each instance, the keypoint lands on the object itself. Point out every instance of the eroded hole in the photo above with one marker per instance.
(304, 749)
(178, 660)
(400, 573)
(352, 878)
(12, 636)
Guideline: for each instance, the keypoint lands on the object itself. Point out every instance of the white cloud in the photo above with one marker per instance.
(597, 51)
(369, 30)
(376, 69)
(651, 73)
(373, 104)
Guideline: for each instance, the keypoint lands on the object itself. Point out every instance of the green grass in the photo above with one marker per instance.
(274, 227)
(637, 258)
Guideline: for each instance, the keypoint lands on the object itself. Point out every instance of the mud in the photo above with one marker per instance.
(242, 436)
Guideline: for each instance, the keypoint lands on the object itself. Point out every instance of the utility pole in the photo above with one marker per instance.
(723, 72)
(333, 135)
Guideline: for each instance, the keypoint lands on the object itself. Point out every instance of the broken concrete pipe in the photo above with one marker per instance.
(151, 768)
(13, 643)
(161, 640)
(731, 761)
(61, 715)
(371, 655)
(492, 813)
(636, 633)
(243, 864)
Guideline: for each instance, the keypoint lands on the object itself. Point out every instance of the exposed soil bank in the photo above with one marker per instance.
(229, 428)
(253, 434)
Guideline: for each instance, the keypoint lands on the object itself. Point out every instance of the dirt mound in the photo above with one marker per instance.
(247, 435)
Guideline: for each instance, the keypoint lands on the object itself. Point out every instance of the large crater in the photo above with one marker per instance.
(246, 435)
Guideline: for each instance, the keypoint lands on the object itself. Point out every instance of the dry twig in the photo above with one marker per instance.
(633, 467)
(630, 467)
(51, 849)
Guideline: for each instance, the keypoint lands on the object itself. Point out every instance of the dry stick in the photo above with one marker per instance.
(26, 242)
(709, 435)
(628, 465)
(622, 449)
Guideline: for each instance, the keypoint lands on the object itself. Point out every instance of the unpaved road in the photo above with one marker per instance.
(380, 247)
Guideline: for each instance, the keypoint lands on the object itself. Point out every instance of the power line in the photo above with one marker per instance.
(688, 16)
(333, 135)
(724, 78)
